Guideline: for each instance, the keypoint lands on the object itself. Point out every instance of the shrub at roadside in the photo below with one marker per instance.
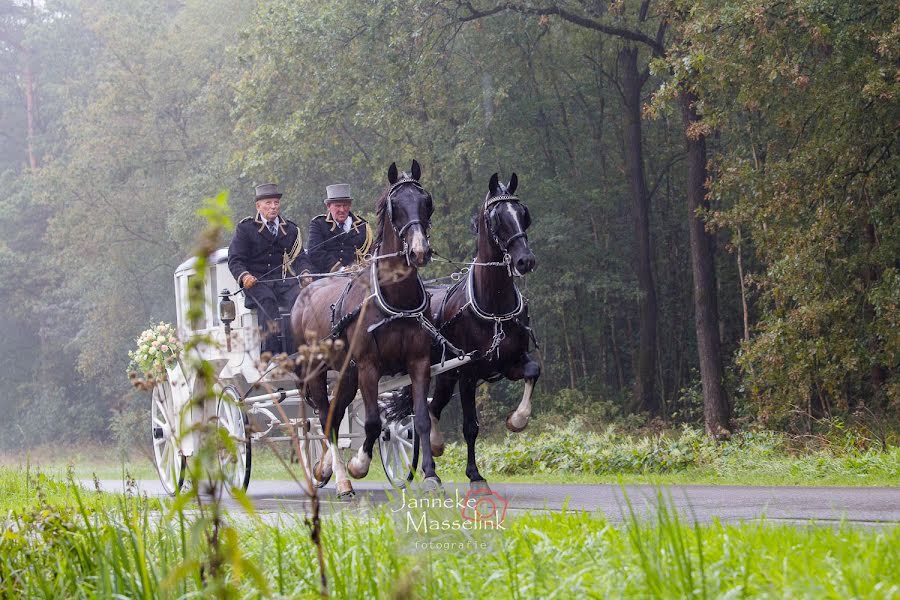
(574, 449)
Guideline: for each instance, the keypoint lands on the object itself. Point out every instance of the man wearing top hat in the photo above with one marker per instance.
(337, 238)
(266, 256)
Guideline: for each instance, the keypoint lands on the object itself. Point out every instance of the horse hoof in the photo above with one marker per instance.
(432, 484)
(437, 450)
(516, 425)
(479, 487)
(345, 490)
(322, 472)
(355, 470)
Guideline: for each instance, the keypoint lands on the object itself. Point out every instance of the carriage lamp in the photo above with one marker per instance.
(227, 314)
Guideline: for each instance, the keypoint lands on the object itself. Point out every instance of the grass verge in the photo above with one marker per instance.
(137, 551)
(574, 454)
(30, 489)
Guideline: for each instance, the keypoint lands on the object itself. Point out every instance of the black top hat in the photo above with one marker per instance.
(267, 190)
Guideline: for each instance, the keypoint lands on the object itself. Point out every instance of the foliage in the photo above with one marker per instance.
(764, 457)
(143, 110)
(130, 551)
(805, 95)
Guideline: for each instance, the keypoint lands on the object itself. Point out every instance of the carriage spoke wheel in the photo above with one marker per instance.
(399, 449)
(170, 463)
(234, 457)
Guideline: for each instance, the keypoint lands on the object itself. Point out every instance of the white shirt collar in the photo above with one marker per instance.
(263, 219)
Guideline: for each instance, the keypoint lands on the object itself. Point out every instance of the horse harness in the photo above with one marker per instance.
(338, 326)
(516, 315)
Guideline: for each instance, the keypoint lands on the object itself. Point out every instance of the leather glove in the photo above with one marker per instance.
(248, 281)
(305, 279)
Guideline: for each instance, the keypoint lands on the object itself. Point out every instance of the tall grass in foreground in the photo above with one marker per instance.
(133, 551)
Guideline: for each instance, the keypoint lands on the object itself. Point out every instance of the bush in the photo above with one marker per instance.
(576, 449)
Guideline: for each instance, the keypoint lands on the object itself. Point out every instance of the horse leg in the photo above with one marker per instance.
(443, 391)
(420, 376)
(346, 392)
(318, 391)
(517, 420)
(331, 462)
(467, 387)
(368, 385)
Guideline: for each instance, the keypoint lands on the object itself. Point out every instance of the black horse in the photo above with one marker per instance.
(485, 313)
(382, 315)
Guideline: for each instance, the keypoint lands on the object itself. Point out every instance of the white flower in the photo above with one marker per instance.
(152, 351)
(164, 348)
(155, 343)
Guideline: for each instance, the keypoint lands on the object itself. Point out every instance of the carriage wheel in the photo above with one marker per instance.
(170, 463)
(399, 449)
(235, 462)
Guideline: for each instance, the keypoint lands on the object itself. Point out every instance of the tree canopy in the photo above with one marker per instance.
(119, 118)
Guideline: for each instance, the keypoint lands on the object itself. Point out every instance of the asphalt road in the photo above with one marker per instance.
(869, 506)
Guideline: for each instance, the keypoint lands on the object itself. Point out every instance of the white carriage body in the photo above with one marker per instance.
(267, 407)
(238, 367)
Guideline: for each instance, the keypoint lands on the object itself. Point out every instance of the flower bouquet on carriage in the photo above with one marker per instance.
(157, 348)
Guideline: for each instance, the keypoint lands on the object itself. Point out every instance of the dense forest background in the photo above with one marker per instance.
(712, 185)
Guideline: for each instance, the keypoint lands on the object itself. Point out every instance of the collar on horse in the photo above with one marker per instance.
(480, 313)
(339, 325)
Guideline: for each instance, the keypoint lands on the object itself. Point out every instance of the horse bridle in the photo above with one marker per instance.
(390, 209)
(489, 208)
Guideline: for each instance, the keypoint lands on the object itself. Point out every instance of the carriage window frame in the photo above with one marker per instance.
(202, 322)
(213, 295)
(179, 315)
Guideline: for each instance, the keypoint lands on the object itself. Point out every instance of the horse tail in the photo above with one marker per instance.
(397, 404)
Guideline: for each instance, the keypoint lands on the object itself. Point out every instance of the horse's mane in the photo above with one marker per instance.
(380, 212)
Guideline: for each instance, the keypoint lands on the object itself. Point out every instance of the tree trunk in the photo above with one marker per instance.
(30, 104)
(716, 411)
(740, 267)
(570, 355)
(644, 396)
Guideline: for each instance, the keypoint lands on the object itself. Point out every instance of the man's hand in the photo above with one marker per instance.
(248, 281)
(305, 279)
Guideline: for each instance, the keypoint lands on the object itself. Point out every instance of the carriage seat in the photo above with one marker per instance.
(285, 335)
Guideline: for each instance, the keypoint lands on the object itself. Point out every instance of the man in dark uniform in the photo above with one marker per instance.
(265, 256)
(338, 238)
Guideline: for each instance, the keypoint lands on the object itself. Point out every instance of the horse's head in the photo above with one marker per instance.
(506, 220)
(408, 208)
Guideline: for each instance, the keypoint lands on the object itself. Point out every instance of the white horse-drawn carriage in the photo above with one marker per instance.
(253, 404)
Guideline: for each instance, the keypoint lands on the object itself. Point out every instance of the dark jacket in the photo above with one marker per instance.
(330, 248)
(255, 251)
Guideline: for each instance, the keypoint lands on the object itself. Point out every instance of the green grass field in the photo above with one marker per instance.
(131, 549)
(27, 489)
